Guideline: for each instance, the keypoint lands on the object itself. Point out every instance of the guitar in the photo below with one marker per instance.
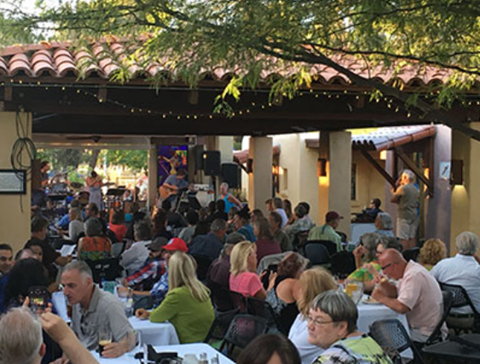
(167, 190)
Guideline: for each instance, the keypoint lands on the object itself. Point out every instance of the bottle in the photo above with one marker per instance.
(129, 307)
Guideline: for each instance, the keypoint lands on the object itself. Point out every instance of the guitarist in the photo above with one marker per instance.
(172, 185)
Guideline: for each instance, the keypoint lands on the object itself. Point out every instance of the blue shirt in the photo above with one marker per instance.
(247, 232)
(3, 284)
(160, 289)
(208, 245)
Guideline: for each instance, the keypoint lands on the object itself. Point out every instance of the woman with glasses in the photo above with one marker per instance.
(311, 283)
(332, 326)
(366, 252)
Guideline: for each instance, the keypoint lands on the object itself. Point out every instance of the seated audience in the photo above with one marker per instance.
(307, 209)
(462, 270)
(373, 209)
(255, 214)
(21, 338)
(243, 265)
(366, 252)
(287, 206)
(327, 231)
(311, 283)
(417, 295)
(219, 212)
(433, 251)
(269, 349)
(187, 232)
(242, 224)
(92, 309)
(160, 222)
(210, 245)
(264, 239)
(75, 226)
(275, 222)
(284, 290)
(384, 224)
(278, 207)
(134, 257)
(332, 326)
(95, 245)
(92, 211)
(174, 219)
(117, 225)
(300, 223)
(39, 234)
(218, 275)
(187, 304)
(386, 242)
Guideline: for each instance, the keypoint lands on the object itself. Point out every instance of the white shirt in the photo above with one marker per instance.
(75, 227)
(133, 258)
(461, 270)
(284, 216)
(298, 335)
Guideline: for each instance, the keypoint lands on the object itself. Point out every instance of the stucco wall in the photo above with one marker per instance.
(15, 209)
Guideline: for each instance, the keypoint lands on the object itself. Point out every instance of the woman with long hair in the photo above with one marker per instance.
(187, 304)
(284, 291)
(312, 282)
(265, 243)
(243, 265)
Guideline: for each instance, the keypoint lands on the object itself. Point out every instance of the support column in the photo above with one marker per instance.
(335, 187)
(260, 181)
(15, 211)
(465, 198)
(152, 175)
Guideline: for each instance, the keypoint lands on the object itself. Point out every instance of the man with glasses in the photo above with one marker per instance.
(417, 294)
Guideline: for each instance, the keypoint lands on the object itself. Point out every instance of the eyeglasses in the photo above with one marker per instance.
(318, 322)
(386, 266)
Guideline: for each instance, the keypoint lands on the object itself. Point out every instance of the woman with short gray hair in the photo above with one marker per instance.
(384, 224)
(332, 325)
(94, 245)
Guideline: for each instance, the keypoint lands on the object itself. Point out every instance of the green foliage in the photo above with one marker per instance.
(64, 160)
(136, 160)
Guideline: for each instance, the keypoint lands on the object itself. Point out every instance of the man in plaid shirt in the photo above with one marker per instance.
(154, 268)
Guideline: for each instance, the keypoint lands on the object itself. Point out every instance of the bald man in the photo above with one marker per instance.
(417, 294)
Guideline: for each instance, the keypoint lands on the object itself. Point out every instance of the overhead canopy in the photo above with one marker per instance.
(65, 98)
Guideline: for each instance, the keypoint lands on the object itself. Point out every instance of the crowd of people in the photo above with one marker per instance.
(186, 268)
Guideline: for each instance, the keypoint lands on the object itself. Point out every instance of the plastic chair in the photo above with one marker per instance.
(105, 269)
(342, 264)
(460, 298)
(242, 330)
(317, 253)
(239, 301)
(393, 338)
(411, 254)
(330, 245)
(263, 309)
(220, 325)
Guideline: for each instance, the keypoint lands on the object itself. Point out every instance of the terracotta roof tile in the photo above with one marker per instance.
(104, 59)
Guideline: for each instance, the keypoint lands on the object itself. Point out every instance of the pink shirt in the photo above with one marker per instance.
(420, 292)
(246, 283)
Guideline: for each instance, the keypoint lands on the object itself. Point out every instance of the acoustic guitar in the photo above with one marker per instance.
(167, 191)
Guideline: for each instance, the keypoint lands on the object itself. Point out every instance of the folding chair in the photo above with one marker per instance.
(263, 309)
(239, 301)
(461, 322)
(220, 325)
(317, 253)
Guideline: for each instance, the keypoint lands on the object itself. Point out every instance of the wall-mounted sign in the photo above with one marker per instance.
(13, 181)
(445, 168)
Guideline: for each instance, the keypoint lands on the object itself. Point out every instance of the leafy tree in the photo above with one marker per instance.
(133, 159)
(292, 36)
(64, 160)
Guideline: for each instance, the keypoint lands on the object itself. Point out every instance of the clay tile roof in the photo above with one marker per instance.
(105, 58)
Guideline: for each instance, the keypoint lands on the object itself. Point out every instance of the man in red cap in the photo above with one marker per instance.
(160, 288)
(327, 231)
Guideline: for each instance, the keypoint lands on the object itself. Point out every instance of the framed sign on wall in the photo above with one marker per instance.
(13, 182)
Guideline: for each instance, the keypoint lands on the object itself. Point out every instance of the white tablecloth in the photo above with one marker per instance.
(180, 349)
(154, 333)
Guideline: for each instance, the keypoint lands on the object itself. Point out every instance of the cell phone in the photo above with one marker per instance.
(39, 297)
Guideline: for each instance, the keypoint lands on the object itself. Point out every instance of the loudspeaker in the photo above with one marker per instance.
(197, 152)
(211, 162)
(231, 174)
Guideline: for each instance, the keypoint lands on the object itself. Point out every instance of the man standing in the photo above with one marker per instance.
(228, 198)
(417, 295)
(327, 231)
(406, 196)
(94, 309)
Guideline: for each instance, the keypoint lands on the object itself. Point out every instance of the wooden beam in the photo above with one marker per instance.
(411, 165)
(378, 167)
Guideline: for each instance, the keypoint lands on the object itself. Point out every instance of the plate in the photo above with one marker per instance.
(371, 301)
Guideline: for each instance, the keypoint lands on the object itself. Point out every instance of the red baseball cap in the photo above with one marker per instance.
(332, 215)
(176, 244)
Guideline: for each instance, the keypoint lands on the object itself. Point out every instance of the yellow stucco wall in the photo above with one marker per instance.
(15, 209)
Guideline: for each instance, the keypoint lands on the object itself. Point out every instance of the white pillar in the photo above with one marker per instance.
(152, 175)
(335, 188)
(260, 181)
